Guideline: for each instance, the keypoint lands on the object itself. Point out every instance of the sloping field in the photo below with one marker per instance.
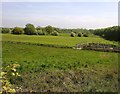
(55, 40)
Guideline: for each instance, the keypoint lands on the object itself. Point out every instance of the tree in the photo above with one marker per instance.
(80, 34)
(17, 30)
(55, 33)
(6, 30)
(30, 29)
(110, 33)
(72, 34)
(49, 29)
(56, 29)
(85, 35)
(38, 28)
(40, 32)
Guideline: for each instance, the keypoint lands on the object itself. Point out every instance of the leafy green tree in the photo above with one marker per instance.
(38, 28)
(80, 34)
(40, 32)
(49, 29)
(5, 30)
(56, 29)
(72, 34)
(30, 29)
(55, 33)
(110, 33)
(85, 35)
(17, 30)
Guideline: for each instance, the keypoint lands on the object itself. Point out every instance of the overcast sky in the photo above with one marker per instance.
(60, 14)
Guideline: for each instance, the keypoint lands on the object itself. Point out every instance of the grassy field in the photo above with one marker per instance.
(60, 69)
(55, 40)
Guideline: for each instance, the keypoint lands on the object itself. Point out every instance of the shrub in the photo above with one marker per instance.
(40, 32)
(85, 35)
(5, 30)
(8, 73)
(80, 34)
(72, 34)
(17, 30)
(55, 33)
(30, 29)
(49, 29)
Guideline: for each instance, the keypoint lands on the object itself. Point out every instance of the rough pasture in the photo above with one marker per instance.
(59, 69)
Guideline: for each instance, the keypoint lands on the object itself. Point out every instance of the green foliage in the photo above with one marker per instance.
(6, 30)
(56, 29)
(17, 30)
(73, 30)
(30, 29)
(80, 34)
(38, 28)
(9, 72)
(85, 35)
(55, 33)
(40, 32)
(49, 29)
(110, 33)
(72, 34)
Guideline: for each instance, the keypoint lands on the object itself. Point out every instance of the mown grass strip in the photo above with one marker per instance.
(58, 46)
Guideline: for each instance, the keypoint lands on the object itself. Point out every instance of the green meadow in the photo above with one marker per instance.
(63, 40)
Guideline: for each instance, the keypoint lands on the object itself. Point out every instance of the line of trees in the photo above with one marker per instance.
(31, 30)
(110, 33)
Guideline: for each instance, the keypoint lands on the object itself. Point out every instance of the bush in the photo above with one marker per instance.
(55, 33)
(8, 73)
(40, 32)
(17, 30)
(5, 30)
(85, 35)
(49, 29)
(30, 29)
(80, 34)
(72, 34)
